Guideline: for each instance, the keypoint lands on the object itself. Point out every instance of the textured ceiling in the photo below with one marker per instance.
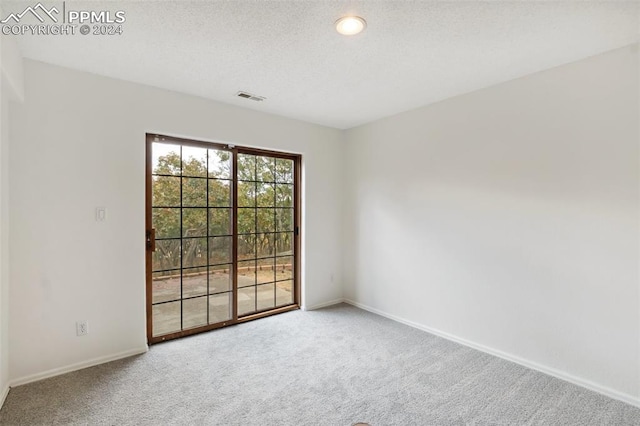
(412, 53)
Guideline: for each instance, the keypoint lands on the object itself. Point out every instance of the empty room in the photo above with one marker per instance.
(303, 212)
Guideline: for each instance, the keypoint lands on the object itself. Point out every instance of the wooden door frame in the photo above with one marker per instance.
(150, 242)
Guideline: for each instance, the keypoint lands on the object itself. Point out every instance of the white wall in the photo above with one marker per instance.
(4, 237)
(10, 90)
(4, 247)
(509, 218)
(79, 142)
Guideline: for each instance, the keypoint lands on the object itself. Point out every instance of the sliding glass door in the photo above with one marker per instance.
(266, 233)
(222, 235)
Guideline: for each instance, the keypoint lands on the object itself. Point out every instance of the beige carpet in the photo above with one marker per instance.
(335, 366)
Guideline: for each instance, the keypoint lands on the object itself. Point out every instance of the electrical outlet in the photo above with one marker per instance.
(82, 328)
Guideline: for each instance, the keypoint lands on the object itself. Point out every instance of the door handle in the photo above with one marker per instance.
(151, 239)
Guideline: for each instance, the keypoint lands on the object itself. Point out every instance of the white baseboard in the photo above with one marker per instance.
(3, 395)
(322, 305)
(612, 393)
(78, 366)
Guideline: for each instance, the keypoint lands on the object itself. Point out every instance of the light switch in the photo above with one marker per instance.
(101, 214)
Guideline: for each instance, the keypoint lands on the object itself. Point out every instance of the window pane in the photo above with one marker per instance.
(265, 271)
(220, 278)
(284, 170)
(284, 195)
(166, 222)
(266, 220)
(284, 220)
(166, 159)
(266, 296)
(265, 169)
(246, 221)
(194, 312)
(246, 300)
(166, 191)
(284, 268)
(266, 244)
(194, 192)
(194, 161)
(265, 196)
(194, 252)
(194, 222)
(284, 244)
(246, 194)
(166, 318)
(246, 247)
(220, 222)
(246, 273)
(284, 293)
(194, 282)
(220, 193)
(219, 164)
(220, 250)
(165, 288)
(167, 255)
(246, 167)
(220, 307)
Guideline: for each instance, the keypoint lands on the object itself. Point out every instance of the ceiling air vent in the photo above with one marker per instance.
(250, 96)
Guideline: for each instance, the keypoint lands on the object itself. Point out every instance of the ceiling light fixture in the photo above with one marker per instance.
(350, 25)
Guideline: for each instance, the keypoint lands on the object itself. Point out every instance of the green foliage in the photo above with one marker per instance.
(265, 214)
